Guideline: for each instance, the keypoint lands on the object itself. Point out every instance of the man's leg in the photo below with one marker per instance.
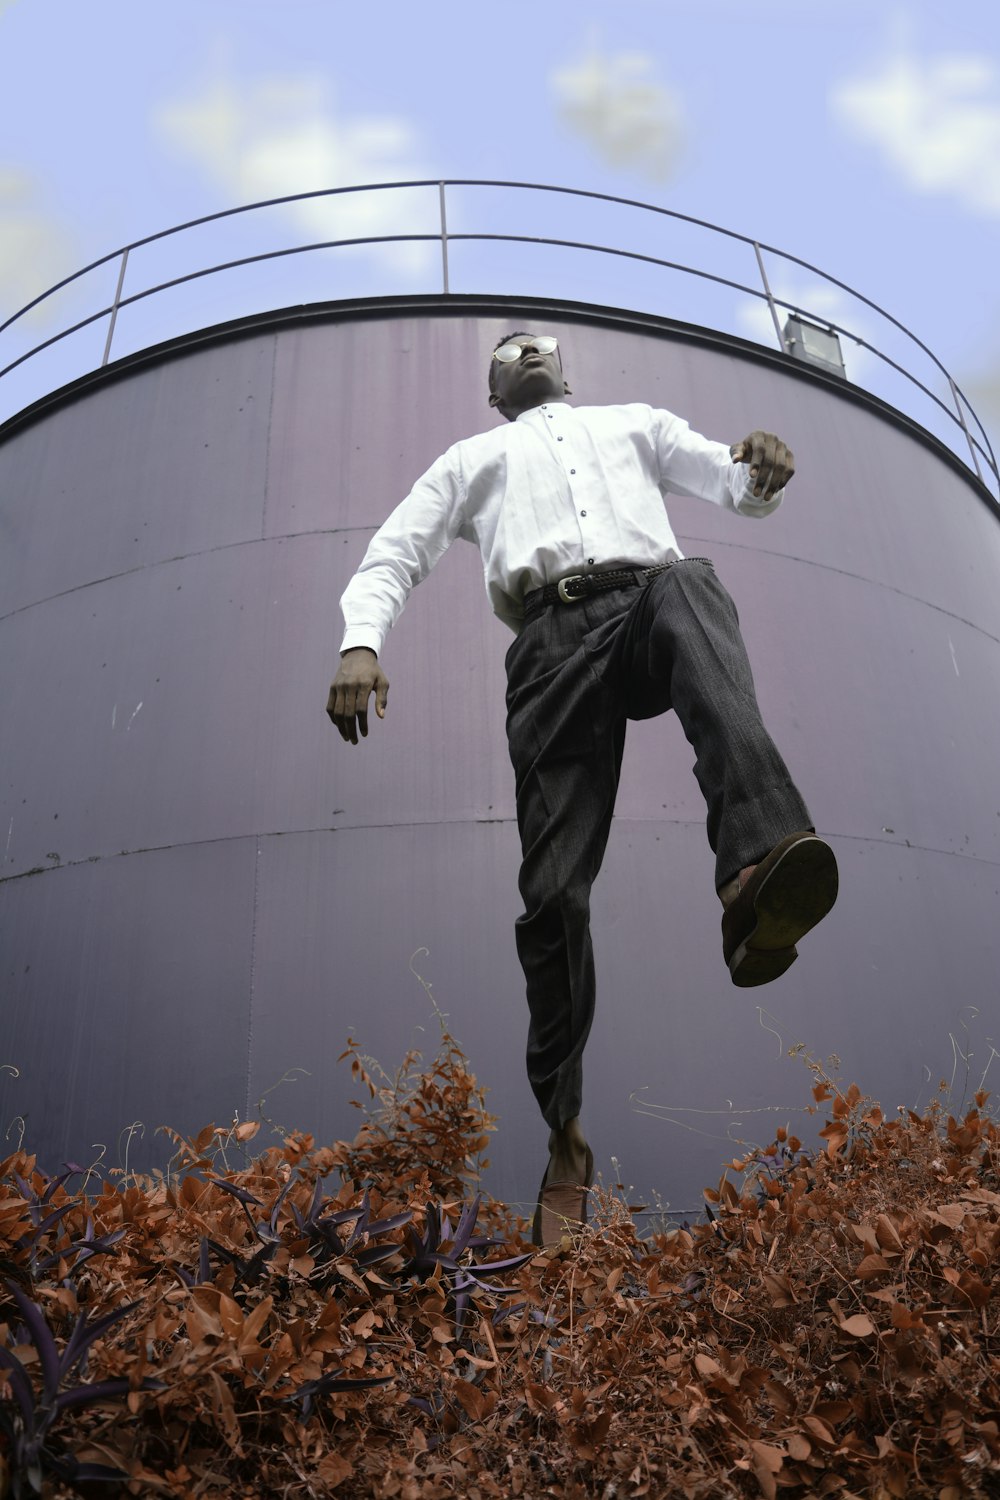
(776, 879)
(683, 638)
(566, 740)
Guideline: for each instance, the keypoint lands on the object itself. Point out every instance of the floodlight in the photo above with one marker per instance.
(814, 345)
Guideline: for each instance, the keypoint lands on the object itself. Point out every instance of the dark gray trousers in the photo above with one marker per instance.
(575, 675)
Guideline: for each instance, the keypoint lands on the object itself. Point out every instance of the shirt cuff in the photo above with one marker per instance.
(749, 505)
(361, 635)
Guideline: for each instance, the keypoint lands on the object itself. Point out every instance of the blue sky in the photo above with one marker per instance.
(861, 137)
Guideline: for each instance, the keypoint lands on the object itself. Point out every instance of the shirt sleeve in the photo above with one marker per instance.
(402, 553)
(693, 465)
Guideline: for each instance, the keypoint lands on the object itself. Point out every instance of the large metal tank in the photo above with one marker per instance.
(206, 892)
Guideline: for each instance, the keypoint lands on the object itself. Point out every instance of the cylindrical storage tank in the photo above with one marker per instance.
(206, 892)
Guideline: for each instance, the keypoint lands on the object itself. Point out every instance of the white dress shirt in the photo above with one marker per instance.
(561, 490)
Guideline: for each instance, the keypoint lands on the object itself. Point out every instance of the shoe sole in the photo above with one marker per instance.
(794, 896)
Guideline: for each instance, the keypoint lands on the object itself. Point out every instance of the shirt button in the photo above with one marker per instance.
(572, 471)
(590, 560)
(583, 512)
(558, 439)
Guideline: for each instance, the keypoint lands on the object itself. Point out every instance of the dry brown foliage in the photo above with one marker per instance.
(831, 1329)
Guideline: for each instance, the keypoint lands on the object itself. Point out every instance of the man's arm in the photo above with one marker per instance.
(747, 476)
(400, 554)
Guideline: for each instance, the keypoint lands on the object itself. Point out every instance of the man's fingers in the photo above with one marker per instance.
(347, 704)
(770, 461)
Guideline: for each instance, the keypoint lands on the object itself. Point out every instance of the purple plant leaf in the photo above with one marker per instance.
(41, 1337)
(315, 1201)
(492, 1267)
(343, 1215)
(97, 1472)
(273, 1220)
(101, 1390)
(237, 1192)
(421, 1404)
(384, 1226)
(57, 1182)
(266, 1234)
(333, 1382)
(204, 1266)
(19, 1384)
(42, 1226)
(461, 1304)
(466, 1224)
(84, 1334)
(323, 1229)
(224, 1252)
(361, 1227)
(507, 1312)
(372, 1254)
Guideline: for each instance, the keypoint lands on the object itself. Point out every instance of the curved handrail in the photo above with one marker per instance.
(443, 236)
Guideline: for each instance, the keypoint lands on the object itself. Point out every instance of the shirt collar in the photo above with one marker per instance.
(556, 401)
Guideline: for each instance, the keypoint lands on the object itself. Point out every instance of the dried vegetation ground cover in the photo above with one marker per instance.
(352, 1320)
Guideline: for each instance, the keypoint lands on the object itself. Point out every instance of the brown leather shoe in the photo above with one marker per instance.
(791, 890)
(561, 1208)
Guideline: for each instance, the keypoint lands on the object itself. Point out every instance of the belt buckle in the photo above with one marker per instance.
(562, 585)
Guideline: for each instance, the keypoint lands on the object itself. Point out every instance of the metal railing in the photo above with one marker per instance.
(956, 408)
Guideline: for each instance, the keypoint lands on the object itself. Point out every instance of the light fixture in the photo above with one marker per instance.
(814, 345)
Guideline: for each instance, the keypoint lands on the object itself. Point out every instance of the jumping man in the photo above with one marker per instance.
(612, 623)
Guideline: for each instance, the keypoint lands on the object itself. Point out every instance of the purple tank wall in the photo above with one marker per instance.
(204, 889)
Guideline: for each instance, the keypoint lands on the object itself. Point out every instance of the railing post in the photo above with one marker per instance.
(961, 417)
(444, 237)
(114, 307)
(770, 298)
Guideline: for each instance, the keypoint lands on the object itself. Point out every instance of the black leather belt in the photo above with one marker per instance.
(581, 585)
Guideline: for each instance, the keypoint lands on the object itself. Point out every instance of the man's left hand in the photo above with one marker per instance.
(772, 463)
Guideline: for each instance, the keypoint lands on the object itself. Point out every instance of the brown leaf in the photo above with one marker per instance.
(820, 1430)
(470, 1398)
(254, 1323)
(905, 1317)
(860, 1326)
(872, 1265)
(780, 1289)
(334, 1469)
(799, 1447)
(767, 1461)
(886, 1233)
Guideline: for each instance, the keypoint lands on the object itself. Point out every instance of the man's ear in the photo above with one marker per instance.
(566, 389)
(494, 398)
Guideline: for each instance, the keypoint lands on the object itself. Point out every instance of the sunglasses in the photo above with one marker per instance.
(508, 353)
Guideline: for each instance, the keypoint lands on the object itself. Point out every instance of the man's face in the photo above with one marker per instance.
(528, 381)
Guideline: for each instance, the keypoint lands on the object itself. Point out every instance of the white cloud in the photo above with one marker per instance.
(935, 120)
(281, 136)
(35, 249)
(616, 105)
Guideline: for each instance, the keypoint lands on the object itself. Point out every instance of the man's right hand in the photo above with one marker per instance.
(360, 675)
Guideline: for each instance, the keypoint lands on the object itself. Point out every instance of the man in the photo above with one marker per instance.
(566, 507)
